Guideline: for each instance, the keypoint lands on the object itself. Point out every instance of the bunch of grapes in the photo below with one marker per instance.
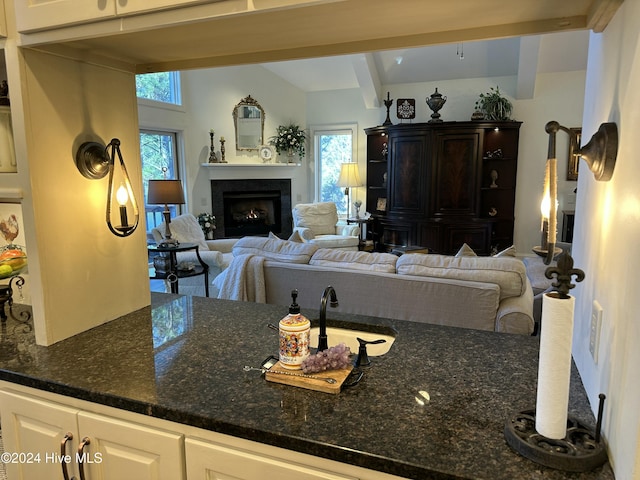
(333, 358)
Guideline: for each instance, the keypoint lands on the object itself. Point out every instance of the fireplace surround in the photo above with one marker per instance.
(252, 207)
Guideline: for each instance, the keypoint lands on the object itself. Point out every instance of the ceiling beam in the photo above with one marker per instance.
(601, 13)
(527, 67)
(366, 72)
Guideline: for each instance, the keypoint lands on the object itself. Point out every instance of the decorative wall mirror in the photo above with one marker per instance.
(248, 119)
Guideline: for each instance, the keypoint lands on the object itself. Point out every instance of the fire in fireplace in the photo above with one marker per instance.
(252, 207)
(251, 213)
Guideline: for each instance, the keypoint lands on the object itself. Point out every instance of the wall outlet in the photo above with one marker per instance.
(594, 335)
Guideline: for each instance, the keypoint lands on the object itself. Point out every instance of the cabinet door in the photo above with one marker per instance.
(455, 181)
(408, 173)
(34, 15)
(121, 450)
(210, 460)
(33, 427)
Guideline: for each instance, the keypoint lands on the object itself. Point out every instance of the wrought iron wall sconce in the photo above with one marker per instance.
(600, 153)
(94, 161)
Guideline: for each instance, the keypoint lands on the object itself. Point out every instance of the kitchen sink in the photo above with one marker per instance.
(336, 335)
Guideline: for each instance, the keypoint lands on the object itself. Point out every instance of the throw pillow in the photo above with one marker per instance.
(507, 252)
(295, 237)
(355, 260)
(465, 251)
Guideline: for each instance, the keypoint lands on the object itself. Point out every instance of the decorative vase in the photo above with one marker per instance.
(290, 155)
(435, 102)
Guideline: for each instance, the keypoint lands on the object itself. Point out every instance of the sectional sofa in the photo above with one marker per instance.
(484, 293)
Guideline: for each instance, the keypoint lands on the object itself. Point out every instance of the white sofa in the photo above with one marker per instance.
(318, 223)
(217, 254)
(483, 293)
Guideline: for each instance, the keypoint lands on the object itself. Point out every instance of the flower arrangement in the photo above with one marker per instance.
(207, 223)
(494, 105)
(289, 139)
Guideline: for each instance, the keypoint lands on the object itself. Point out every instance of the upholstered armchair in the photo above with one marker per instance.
(318, 223)
(215, 253)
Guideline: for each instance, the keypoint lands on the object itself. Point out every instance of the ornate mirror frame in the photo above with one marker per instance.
(248, 120)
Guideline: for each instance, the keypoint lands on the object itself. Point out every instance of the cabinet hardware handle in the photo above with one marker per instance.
(63, 451)
(85, 441)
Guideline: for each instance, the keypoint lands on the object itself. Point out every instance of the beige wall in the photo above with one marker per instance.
(81, 274)
(608, 224)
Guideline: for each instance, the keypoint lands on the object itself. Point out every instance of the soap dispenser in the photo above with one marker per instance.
(295, 334)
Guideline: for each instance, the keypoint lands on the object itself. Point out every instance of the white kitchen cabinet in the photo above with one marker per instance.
(35, 429)
(212, 460)
(32, 15)
(126, 445)
(3, 20)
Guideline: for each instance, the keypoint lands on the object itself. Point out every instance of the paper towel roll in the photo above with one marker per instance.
(554, 368)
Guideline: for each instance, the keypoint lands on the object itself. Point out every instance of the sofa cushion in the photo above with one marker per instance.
(335, 241)
(374, 262)
(508, 273)
(275, 249)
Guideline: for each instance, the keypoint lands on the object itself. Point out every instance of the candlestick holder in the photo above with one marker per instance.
(222, 150)
(387, 103)
(213, 158)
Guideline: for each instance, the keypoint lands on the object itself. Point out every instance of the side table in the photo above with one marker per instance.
(362, 222)
(172, 272)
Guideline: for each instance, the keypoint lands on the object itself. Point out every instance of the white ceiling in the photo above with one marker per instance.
(555, 52)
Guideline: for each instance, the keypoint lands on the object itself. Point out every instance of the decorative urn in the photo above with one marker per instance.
(435, 102)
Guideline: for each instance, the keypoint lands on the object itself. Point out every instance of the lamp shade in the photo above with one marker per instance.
(349, 176)
(162, 192)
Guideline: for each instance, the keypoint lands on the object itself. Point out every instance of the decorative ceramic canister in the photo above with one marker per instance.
(295, 334)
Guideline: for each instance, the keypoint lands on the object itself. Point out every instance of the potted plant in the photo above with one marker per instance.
(289, 140)
(494, 106)
(207, 224)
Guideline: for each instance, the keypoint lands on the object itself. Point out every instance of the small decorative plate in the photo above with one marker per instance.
(267, 153)
(406, 108)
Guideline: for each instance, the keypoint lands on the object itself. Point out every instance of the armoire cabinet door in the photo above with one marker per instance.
(455, 179)
(407, 173)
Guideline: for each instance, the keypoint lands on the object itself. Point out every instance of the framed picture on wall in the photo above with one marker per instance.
(381, 205)
(574, 159)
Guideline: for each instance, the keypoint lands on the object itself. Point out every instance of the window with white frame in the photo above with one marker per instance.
(158, 152)
(333, 146)
(159, 87)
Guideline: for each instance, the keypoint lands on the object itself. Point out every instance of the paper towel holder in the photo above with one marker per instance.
(580, 451)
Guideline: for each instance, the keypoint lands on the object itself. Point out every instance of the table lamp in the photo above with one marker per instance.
(166, 192)
(349, 178)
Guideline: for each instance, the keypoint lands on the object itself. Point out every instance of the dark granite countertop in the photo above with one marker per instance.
(182, 360)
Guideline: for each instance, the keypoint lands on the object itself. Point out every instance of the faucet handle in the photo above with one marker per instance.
(362, 360)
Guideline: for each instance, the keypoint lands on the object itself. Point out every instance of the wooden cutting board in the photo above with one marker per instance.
(309, 383)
